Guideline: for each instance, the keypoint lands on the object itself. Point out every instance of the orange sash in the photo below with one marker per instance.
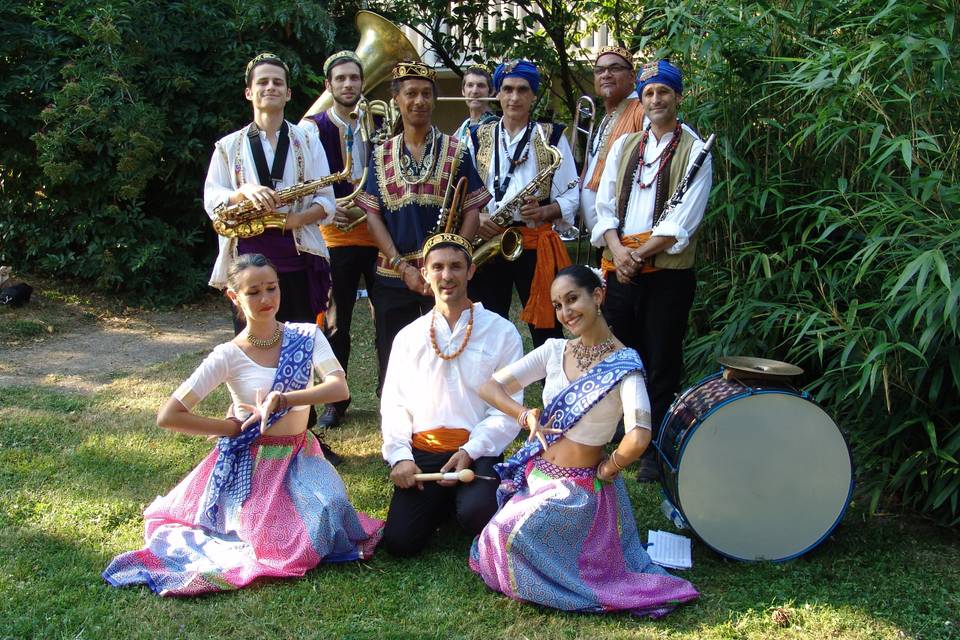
(633, 241)
(551, 257)
(440, 440)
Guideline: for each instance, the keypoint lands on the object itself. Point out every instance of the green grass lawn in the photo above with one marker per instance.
(76, 472)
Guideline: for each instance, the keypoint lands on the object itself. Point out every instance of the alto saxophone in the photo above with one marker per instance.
(509, 244)
(245, 219)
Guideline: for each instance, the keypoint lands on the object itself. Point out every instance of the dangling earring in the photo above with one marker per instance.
(598, 310)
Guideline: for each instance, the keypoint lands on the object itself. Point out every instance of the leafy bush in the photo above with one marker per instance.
(115, 109)
(832, 239)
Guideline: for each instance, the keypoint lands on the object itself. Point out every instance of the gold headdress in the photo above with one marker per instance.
(266, 58)
(446, 238)
(341, 56)
(615, 50)
(410, 69)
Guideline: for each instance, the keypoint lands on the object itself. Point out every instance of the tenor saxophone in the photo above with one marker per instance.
(245, 219)
(509, 244)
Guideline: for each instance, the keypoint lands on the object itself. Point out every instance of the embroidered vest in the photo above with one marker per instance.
(677, 169)
(483, 140)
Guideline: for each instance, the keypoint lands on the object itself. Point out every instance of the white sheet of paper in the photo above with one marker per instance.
(669, 550)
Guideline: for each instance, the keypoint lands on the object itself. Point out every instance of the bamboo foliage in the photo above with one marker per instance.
(832, 237)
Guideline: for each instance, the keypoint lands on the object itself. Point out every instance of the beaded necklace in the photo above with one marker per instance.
(663, 157)
(433, 337)
(413, 172)
(500, 190)
(606, 127)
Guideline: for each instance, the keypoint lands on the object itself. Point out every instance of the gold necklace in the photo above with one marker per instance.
(586, 356)
(269, 342)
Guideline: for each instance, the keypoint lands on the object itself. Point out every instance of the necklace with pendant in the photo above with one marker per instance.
(585, 356)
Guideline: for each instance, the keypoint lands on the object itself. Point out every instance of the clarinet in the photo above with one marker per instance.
(687, 179)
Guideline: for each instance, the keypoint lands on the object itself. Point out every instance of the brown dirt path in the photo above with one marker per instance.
(86, 352)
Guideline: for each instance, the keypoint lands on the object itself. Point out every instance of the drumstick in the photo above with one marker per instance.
(464, 475)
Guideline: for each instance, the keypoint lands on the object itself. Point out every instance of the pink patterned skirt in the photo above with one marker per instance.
(570, 542)
(297, 516)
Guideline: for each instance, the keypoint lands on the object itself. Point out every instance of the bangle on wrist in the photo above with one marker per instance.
(613, 459)
(522, 418)
(284, 403)
(394, 262)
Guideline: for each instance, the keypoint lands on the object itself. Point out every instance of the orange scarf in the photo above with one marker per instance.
(634, 241)
(551, 257)
(630, 121)
(440, 440)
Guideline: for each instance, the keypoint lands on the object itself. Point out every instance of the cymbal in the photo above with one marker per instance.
(760, 366)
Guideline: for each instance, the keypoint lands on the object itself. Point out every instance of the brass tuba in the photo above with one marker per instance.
(381, 46)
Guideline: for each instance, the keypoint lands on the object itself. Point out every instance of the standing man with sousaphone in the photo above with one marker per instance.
(411, 178)
(353, 252)
(529, 168)
(650, 203)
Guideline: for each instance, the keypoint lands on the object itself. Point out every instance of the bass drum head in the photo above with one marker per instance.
(764, 477)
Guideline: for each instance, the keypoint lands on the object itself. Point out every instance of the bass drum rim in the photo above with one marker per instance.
(671, 476)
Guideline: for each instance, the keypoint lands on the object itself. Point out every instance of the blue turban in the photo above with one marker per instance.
(517, 69)
(660, 72)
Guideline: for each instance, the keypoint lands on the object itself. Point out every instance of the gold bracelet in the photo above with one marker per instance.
(613, 459)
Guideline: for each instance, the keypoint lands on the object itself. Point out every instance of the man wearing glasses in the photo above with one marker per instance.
(613, 82)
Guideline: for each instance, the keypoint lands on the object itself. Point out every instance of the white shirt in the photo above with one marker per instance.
(681, 224)
(421, 391)
(588, 197)
(628, 399)
(222, 180)
(227, 363)
(566, 173)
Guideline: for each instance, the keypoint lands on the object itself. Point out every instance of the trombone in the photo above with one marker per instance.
(586, 109)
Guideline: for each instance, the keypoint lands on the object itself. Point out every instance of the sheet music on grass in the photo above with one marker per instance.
(669, 550)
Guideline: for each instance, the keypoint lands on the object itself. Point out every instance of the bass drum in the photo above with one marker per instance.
(757, 472)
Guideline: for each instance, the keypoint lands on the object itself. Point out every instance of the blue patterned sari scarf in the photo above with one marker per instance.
(567, 407)
(234, 467)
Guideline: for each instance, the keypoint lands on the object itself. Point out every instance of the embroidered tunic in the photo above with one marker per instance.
(410, 207)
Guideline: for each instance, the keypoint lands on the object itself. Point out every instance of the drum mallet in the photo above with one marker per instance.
(464, 475)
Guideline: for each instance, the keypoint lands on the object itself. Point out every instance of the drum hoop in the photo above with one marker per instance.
(749, 391)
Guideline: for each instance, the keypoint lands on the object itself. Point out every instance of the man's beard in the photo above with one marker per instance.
(346, 104)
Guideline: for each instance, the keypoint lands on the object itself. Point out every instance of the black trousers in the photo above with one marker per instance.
(651, 314)
(493, 285)
(347, 265)
(414, 515)
(393, 309)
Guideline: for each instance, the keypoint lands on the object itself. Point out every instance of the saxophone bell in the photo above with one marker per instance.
(508, 245)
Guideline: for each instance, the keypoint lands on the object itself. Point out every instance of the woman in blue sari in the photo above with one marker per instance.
(565, 535)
